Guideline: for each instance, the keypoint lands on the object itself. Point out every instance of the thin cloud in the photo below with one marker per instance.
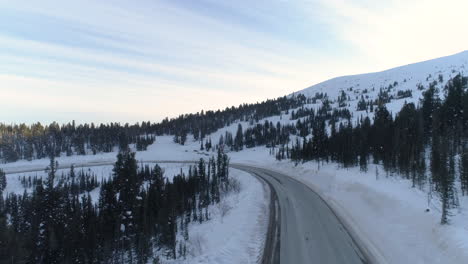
(212, 55)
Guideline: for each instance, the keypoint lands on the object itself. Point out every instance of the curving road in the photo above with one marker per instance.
(309, 231)
(302, 229)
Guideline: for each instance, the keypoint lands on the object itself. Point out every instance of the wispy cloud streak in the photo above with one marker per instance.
(127, 59)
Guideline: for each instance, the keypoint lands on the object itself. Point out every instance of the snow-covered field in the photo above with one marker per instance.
(101, 172)
(163, 149)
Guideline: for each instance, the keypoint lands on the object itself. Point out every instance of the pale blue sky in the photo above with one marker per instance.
(127, 61)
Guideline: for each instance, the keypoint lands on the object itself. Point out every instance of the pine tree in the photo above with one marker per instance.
(446, 179)
(421, 171)
(183, 137)
(429, 103)
(3, 181)
(51, 170)
(464, 170)
(239, 139)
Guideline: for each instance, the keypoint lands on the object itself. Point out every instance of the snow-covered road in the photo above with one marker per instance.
(310, 231)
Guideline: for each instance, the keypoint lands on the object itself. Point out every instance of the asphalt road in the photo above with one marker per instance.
(310, 232)
(302, 228)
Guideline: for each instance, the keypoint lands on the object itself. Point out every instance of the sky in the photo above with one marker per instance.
(129, 61)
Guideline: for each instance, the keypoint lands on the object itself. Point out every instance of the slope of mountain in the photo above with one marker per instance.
(395, 80)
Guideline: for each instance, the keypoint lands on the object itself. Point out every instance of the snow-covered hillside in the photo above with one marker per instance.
(408, 77)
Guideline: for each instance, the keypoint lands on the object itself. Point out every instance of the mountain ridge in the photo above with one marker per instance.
(459, 55)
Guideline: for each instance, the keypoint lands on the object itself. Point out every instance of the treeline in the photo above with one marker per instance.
(78, 182)
(136, 219)
(434, 132)
(37, 141)
(272, 136)
(204, 123)
(261, 134)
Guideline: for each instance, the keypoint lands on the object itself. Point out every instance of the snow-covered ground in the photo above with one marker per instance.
(101, 172)
(387, 213)
(163, 149)
(237, 227)
(239, 235)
